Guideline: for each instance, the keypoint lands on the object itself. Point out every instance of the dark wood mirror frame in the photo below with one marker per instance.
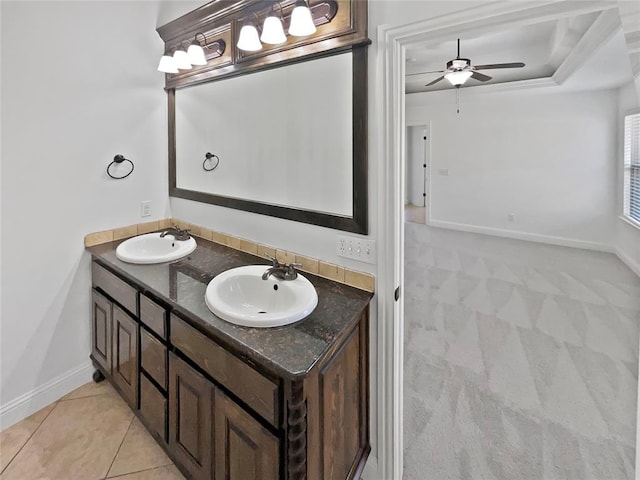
(221, 19)
(357, 223)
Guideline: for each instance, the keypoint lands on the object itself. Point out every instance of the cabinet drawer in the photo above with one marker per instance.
(251, 387)
(153, 316)
(154, 357)
(118, 289)
(153, 407)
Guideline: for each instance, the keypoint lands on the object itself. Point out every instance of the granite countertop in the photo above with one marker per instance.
(290, 351)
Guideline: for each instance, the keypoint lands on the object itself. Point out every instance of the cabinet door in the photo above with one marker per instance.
(245, 450)
(125, 355)
(101, 331)
(190, 418)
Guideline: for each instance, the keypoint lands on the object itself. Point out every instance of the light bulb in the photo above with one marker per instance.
(195, 53)
(248, 39)
(301, 20)
(272, 31)
(167, 64)
(458, 78)
(182, 59)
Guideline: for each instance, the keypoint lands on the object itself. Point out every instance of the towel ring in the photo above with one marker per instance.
(210, 156)
(117, 160)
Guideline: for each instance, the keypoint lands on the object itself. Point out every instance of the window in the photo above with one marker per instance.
(632, 167)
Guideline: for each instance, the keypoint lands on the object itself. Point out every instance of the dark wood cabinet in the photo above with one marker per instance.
(221, 416)
(153, 358)
(101, 330)
(115, 345)
(124, 366)
(191, 398)
(244, 449)
(211, 435)
(153, 408)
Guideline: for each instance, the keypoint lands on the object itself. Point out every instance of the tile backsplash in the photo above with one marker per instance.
(363, 281)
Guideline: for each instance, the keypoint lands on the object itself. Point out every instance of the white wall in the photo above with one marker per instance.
(546, 156)
(79, 85)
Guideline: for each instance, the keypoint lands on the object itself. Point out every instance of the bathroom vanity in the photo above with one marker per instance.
(229, 402)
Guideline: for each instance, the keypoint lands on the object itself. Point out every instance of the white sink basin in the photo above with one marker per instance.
(151, 248)
(240, 296)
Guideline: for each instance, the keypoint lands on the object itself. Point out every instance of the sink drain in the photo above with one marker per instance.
(262, 311)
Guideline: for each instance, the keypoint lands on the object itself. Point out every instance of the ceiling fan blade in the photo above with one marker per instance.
(498, 65)
(480, 76)
(423, 73)
(435, 81)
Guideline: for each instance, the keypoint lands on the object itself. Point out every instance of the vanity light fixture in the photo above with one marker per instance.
(302, 23)
(195, 51)
(249, 40)
(181, 58)
(167, 64)
(193, 56)
(272, 31)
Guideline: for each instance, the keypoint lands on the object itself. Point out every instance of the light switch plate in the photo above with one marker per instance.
(145, 209)
(356, 248)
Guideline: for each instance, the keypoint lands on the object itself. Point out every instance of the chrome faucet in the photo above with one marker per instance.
(281, 271)
(177, 232)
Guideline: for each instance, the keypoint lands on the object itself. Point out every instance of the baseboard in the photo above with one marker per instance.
(628, 261)
(530, 237)
(38, 398)
(370, 471)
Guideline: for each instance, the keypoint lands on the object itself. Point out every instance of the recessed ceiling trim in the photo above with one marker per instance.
(496, 15)
(630, 17)
(602, 29)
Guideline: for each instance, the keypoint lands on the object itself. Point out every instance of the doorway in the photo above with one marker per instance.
(416, 209)
(392, 42)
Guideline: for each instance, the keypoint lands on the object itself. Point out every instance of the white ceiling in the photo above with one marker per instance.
(551, 49)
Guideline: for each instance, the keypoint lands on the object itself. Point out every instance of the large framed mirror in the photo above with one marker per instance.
(288, 141)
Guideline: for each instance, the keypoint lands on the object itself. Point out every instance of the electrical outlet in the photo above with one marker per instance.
(443, 172)
(356, 248)
(511, 217)
(145, 209)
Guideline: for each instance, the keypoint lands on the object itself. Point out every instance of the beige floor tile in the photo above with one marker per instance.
(139, 451)
(169, 472)
(89, 390)
(13, 438)
(77, 441)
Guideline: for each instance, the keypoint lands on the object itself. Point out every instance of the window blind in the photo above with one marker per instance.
(632, 166)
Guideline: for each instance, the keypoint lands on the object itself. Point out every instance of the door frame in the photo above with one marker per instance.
(427, 161)
(392, 42)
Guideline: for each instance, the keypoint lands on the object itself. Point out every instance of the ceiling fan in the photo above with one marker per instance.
(459, 70)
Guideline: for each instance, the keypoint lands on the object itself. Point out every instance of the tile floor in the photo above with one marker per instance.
(89, 434)
(521, 360)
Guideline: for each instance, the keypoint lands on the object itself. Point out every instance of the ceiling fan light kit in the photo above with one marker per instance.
(457, 78)
(459, 70)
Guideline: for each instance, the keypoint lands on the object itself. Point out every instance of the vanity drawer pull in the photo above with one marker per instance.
(154, 358)
(153, 407)
(153, 316)
(118, 289)
(255, 390)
